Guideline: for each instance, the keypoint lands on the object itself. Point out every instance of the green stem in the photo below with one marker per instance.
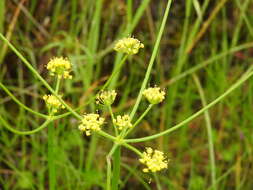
(209, 131)
(152, 59)
(140, 119)
(116, 168)
(7, 126)
(52, 146)
(109, 167)
(132, 148)
(30, 67)
(158, 184)
(115, 72)
(51, 157)
(170, 82)
(33, 70)
(108, 173)
(106, 135)
(112, 117)
(143, 115)
(21, 104)
(245, 77)
(57, 87)
(44, 125)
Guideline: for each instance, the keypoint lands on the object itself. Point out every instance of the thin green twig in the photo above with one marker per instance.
(109, 167)
(8, 126)
(152, 59)
(21, 104)
(44, 82)
(115, 72)
(112, 117)
(245, 77)
(139, 119)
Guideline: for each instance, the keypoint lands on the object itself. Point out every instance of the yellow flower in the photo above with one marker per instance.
(123, 122)
(106, 97)
(60, 67)
(154, 95)
(53, 103)
(91, 122)
(128, 45)
(154, 160)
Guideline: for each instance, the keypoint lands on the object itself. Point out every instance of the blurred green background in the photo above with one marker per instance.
(212, 39)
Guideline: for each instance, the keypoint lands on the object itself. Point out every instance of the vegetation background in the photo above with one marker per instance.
(211, 39)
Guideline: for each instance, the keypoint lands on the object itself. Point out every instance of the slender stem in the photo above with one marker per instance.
(144, 83)
(57, 87)
(30, 67)
(143, 115)
(134, 172)
(21, 104)
(209, 131)
(106, 135)
(185, 73)
(7, 126)
(129, 13)
(112, 117)
(132, 148)
(218, 99)
(152, 59)
(44, 125)
(158, 184)
(51, 146)
(108, 173)
(140, 119)
(116, 168)
(115, 72)
(109, 167)
(51, 157)
(44, 82)
(176, 78)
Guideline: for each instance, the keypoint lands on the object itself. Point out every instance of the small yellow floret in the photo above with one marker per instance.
(154, 160)
(154, 95)
(128, 45)
(91, 122)
(123, 122)
(60, 67)
(106, 97)
(53, 103)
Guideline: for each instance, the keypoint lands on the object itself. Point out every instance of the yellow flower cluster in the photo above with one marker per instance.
(128, 45)
(123, 122)
(60, 66)
(106, 97)
(154, 95)
(91, 122)
(53, 103)
(154, 160)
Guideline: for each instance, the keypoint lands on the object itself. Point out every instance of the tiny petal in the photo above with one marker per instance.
(53, 103)
(91, 122)
(60, 66)
(106, 97)
(128, 45)
(154, 95)
(123, 122)
(154, 160)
